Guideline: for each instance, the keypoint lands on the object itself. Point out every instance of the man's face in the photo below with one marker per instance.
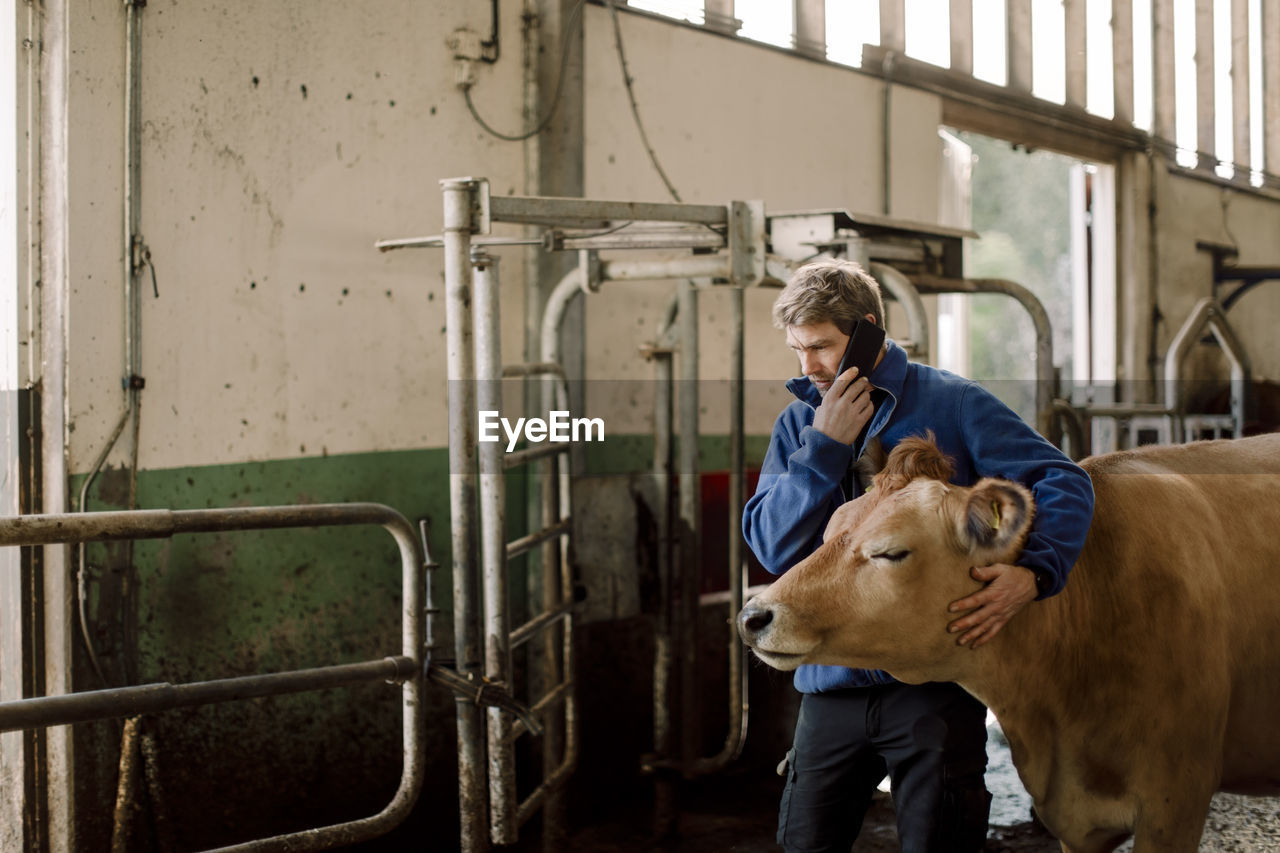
(819, 347)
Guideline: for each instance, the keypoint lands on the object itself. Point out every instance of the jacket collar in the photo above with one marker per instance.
(889, 376)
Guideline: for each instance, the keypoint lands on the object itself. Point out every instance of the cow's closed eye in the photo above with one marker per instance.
(896, 555)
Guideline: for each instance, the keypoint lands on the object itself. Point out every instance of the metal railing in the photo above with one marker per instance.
(404, 669)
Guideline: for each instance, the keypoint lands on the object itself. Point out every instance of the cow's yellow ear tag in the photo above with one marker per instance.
(995, 511)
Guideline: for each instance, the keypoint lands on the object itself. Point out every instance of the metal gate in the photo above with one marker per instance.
(404, 669)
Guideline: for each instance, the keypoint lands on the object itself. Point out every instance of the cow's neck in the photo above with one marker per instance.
(1028, 676)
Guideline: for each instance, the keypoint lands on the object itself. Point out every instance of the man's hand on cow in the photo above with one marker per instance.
(1008, 589)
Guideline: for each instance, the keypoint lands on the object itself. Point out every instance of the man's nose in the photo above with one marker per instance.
(810, 365)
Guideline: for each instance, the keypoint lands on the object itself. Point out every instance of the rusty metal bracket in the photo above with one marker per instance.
(484, 692)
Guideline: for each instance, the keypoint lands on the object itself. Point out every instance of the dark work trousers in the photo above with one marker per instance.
(931, 739)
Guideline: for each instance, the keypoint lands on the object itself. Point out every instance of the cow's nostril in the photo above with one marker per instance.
(756, 619)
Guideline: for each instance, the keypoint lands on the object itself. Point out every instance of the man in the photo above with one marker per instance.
(856, 725)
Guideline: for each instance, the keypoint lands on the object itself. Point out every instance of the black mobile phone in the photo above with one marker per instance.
(864, 346)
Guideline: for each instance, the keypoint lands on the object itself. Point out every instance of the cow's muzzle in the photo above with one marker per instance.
(763, 627)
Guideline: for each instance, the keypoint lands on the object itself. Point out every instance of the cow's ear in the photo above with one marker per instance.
(996, 516)
(914, 457)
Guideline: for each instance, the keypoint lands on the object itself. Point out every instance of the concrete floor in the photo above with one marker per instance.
(736, 811)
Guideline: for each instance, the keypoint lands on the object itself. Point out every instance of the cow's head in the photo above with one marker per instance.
(875, 594)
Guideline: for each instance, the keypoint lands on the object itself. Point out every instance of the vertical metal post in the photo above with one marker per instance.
(58, 592)
(893, 25)
(719, 16)
(962, 36)
(1018, 45)
(1076, 55)
(14, 643)
(493, 550)
(737, 684)
(132, 218)
(690, 519)
(1240, 122)
(1271, 89)
(459, 198)
(1206, 141)
(737, 492)
(560, 747)
(554, 639)
(664, 793)
(810, 36)
(1122, 58)
(1163, 102)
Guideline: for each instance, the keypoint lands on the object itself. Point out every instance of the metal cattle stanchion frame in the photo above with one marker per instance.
(404, 669)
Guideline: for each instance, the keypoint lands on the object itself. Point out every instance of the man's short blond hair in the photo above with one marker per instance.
(830, 289)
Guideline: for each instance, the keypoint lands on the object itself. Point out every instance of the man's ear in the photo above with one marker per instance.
(996, 516)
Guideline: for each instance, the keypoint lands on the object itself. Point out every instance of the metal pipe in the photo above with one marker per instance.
(132, 143)
(493, 549)
(1045, 380)
(516, 458)
(664, 793)
(430, 611)
(778, 269)
(557, 590)
(536, 368)
(906, 295)
(163, 523)
(54, 288)
(573, 210)
(709, 598)
(1067, 414)
(516, 547)
(116, 702)
(126, 785)
(473, 805)
(553, 313)
(60, 709)
(690, 512)
(436, 241)
(526, 631)
(1206, 312)
(737, 734)
(684, 266)
(161, 828)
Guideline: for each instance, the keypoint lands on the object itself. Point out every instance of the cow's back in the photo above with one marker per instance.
(1204, 565)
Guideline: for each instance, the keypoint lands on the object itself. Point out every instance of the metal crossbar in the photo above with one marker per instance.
(404, 669)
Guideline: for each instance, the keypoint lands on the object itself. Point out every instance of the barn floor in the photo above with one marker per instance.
(737, 811)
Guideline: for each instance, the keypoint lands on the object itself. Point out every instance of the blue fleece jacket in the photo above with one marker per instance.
(800, 480)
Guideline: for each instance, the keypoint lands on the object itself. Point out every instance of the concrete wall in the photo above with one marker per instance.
(279, 142)
(1191, 211)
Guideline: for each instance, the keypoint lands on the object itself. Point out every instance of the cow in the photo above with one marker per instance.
(1151, 681)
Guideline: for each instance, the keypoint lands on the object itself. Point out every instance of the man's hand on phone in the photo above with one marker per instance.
(846, 408)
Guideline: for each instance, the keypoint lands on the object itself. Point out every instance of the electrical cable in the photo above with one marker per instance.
(635, 109)
(555, 99)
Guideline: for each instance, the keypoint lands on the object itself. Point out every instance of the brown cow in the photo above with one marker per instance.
(1148, 683)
